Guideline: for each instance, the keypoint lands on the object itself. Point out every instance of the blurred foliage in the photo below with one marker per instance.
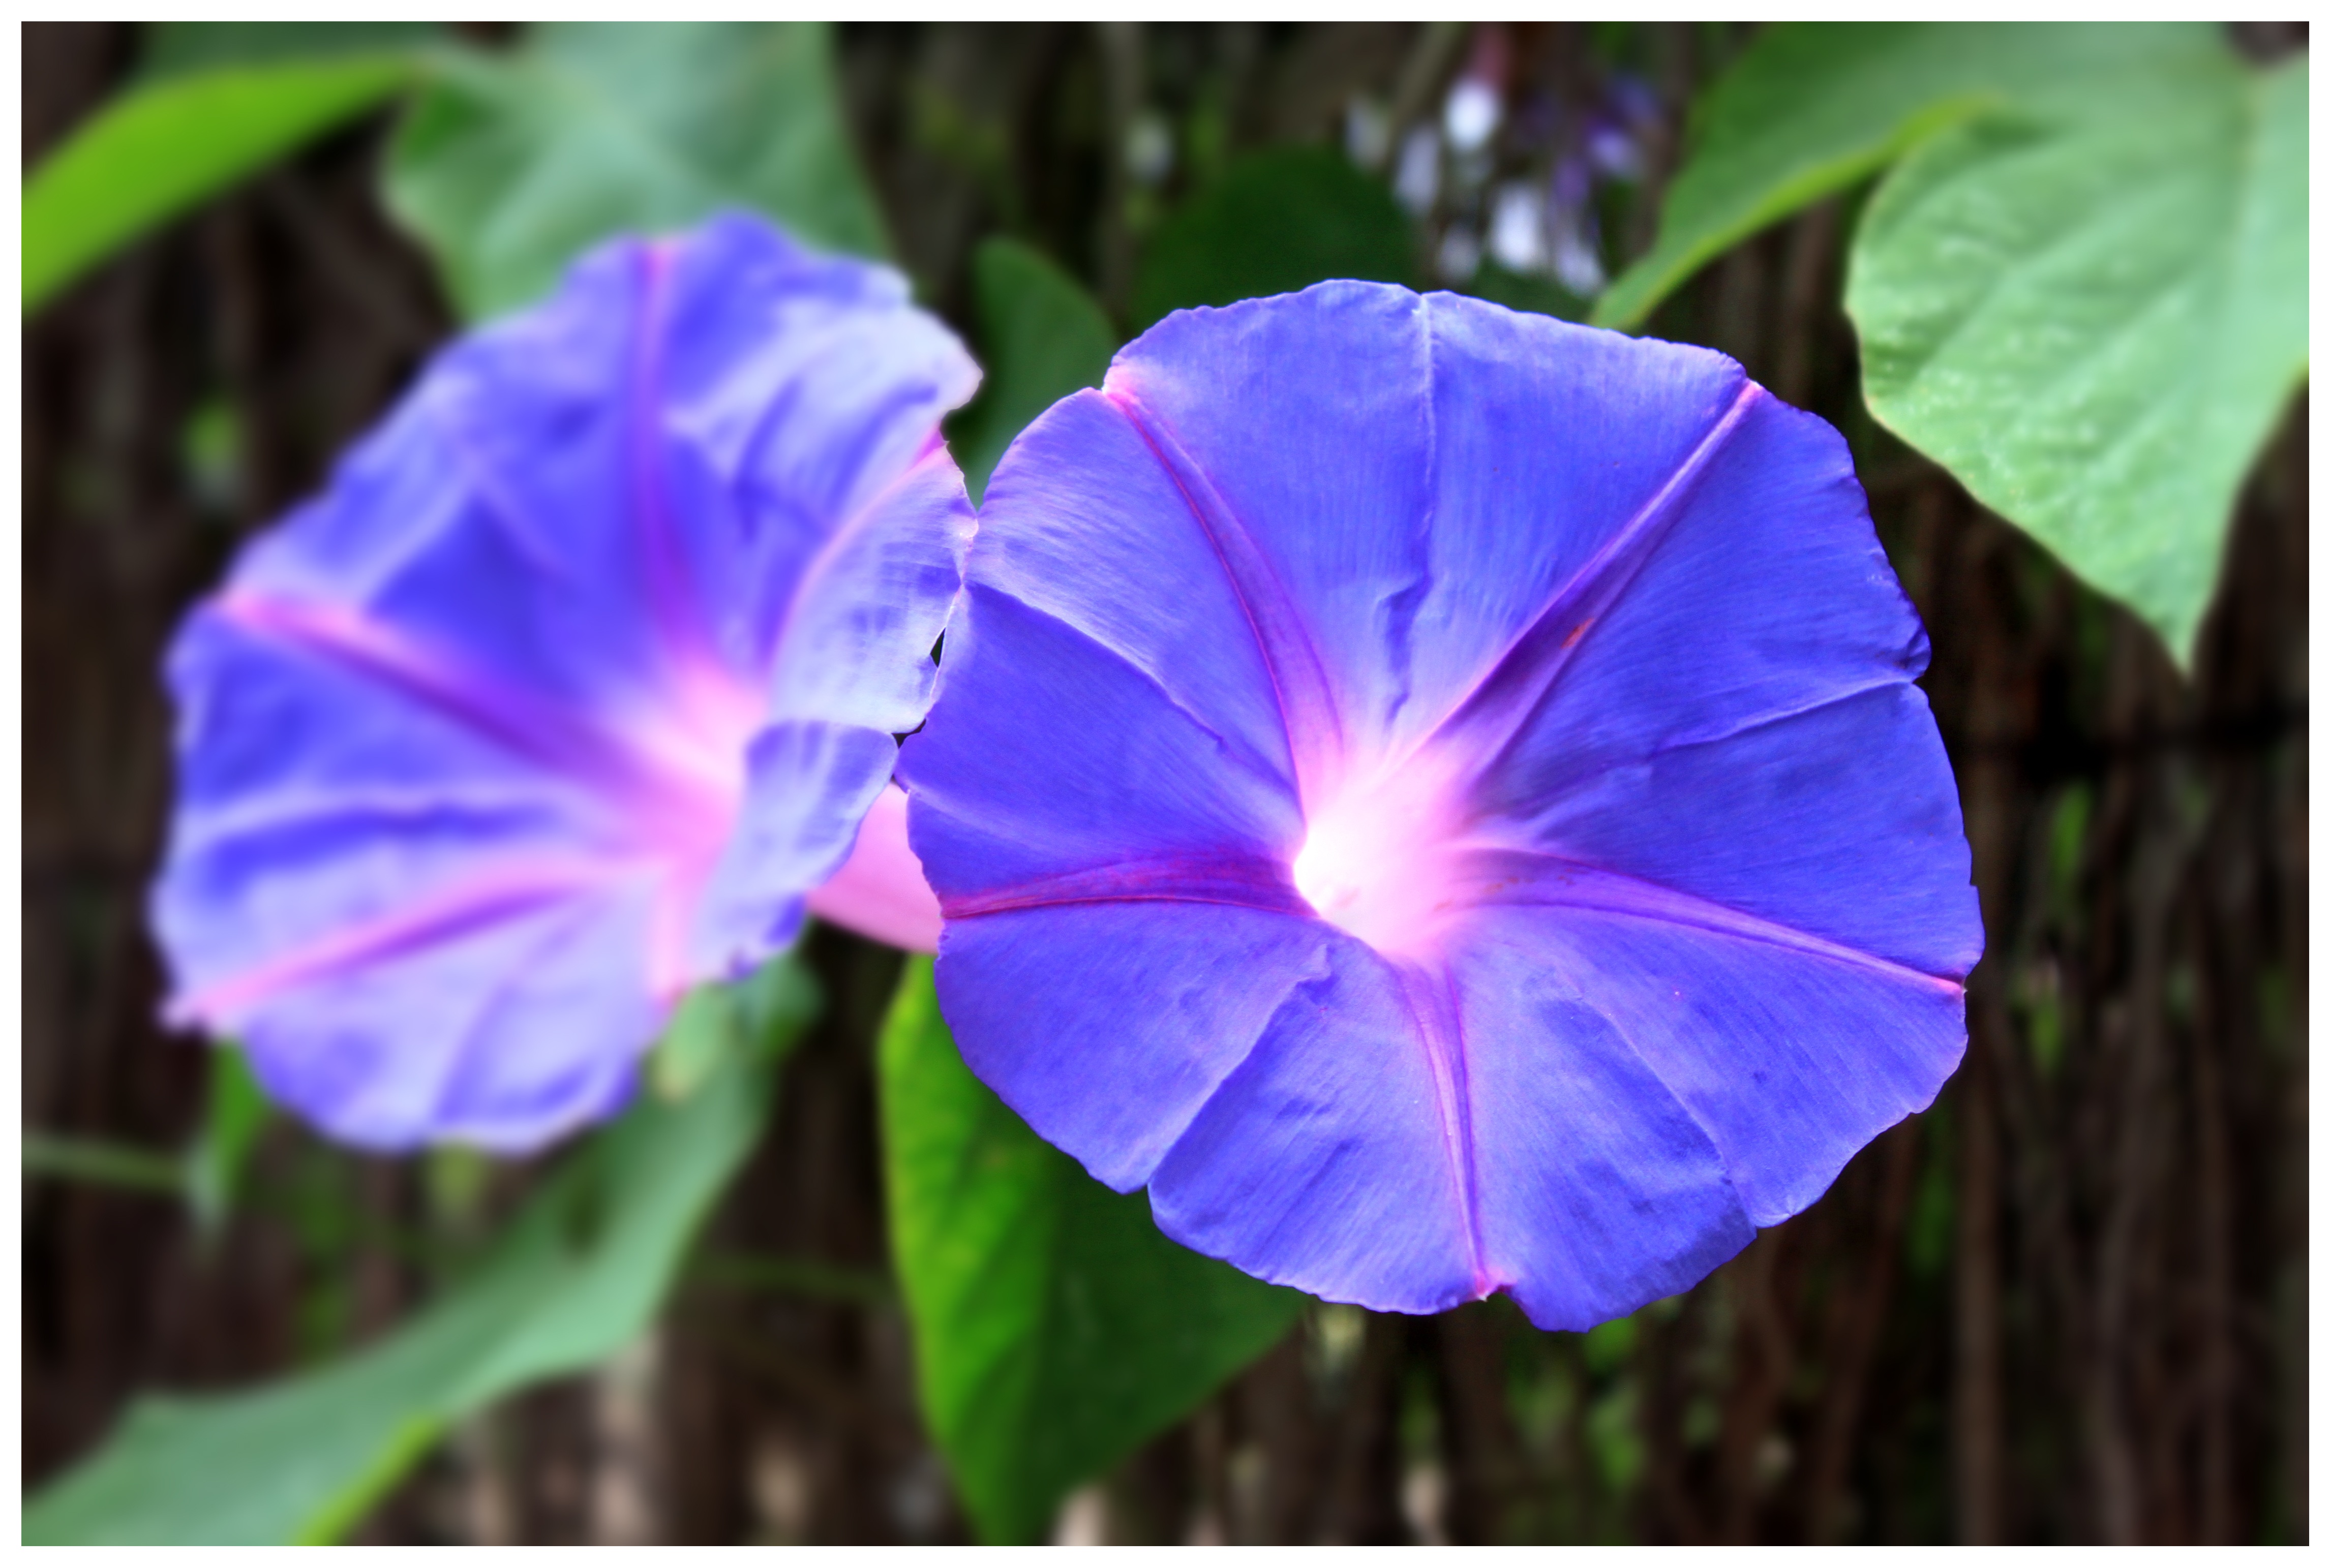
(574, 1276)
(163, 147)
(1041, 338)
(1272, 223)
(1055, 1328)
(235, 1112)
(206, 1177)
(513, 164)
(175, 49)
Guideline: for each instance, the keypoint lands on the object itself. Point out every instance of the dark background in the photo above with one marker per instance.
(2066, 1304)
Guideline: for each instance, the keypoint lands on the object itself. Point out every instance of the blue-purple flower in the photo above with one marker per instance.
(578, 677)
(1437, 795)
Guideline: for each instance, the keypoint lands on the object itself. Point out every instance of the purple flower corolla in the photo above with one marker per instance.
(579, 676)
(1487, 838)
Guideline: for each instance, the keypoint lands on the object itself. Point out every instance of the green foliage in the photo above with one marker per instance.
(234, 1116)
(184, 48)
(2081, 289)
(1276, 221)
(713, 1023)
(1522, 291)
(1042, 337)
(1812, 107)
(206, 1177)
(162, 148)
(510, 165)
(2095, 324)
(579, 1272)
(1055, 1329)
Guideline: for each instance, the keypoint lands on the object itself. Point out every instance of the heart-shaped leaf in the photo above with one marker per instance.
(1055, 1329)
(512, 165)
(1811, 108)
(2095, 323)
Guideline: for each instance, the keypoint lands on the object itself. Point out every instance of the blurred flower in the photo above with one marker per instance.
(1576, 258)
(1579, 264)
(1518, 228)
(1577, 261)
(1416, 182)
(1459, 256)
(1540, 119)
(1469, 171)
(1617, 131)
(1497, 845)
(1476, 104)
(1471, 115)
(1613, 150)
(1635, 102)
(580, 675)
(1367, 132)
(1149, 149)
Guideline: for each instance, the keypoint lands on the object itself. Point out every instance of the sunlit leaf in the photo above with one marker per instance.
(511, 164)
(1041, 338)
(2096, 324)
(1055, 1329)
(580, 1271)
(1811, 108)
(160, 148)
(1274, 222)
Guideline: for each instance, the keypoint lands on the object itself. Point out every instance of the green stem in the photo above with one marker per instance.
(103, 1163)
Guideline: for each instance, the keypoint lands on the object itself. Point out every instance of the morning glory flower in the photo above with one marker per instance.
(577, 678)
(1517, 227)
(1437, 795)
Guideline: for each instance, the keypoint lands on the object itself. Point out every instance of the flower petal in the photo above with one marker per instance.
(1325, 1161)
(807, 786)
(503, 1033)
(316, 799)
(1106, 1025)
(1793, 1054)
(1407, 438)
(881, 891)
(1102, 539)
(589, 661)
(1055, 760)
(1596, 1191)
(1596, 691)
(1840, 821)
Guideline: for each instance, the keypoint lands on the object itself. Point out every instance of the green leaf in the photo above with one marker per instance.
(580, 1272)
(1274, 222)
(1055, 1329)
(234, 1116)
(1812, 107)
(2096, 325)
(511, 164)
(715, 1022)
(160, 149)
(1042, 337)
